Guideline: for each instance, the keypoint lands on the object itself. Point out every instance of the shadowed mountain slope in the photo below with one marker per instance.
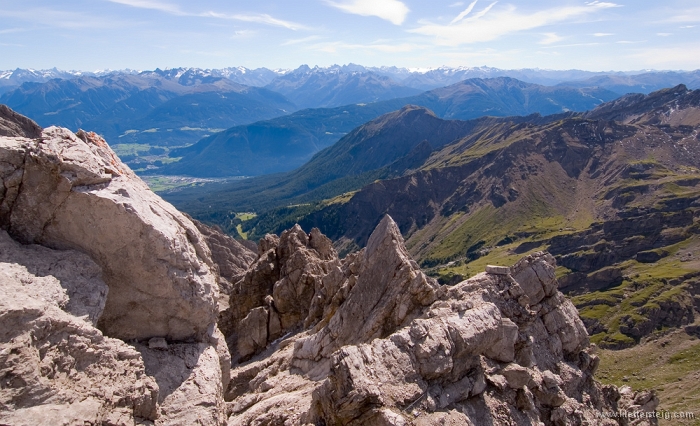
(616, 202)
(288, 142)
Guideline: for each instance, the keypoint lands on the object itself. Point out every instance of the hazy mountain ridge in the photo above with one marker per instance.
(308, 131)
(335, 86)
(176, 108)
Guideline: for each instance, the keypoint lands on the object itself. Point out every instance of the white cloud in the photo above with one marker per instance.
(393, 11)
(153, 5)
(300, 40)
(172, 9)
(663, 34)
(489, 24)
(571, 45)
(334, 47)
(550, 38)
(689, 15)
(466, 12)
(603, 34)
(257, 18)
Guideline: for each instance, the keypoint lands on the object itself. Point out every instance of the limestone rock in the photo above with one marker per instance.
(54, 365)
(189, 379)
(288, 287)
(102, 249)
(395, 348)
(70, 191)
(464, 344)
(390, 290)
(13, 124)
(230, 256)
(67, 278)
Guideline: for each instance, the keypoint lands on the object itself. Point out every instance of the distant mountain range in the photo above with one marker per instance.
(613, 194)
(150, 115)
(420, 79)
(157, 108)
(331, 87)
(285, 143)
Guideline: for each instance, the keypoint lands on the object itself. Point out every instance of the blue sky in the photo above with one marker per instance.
(145, 34)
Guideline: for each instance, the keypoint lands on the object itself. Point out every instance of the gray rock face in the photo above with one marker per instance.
(189, 380)
(69, 191)
(80, 290)
(230, 257)
(103, 250)
(503, 347)
(55, 366)
(288, 287)
(16, 125)
(390, 290)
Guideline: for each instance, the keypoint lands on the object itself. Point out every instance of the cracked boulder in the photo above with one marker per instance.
(70, 191)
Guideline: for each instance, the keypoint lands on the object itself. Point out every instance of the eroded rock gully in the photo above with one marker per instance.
(109, 301)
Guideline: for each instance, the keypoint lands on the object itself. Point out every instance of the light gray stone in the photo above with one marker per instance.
(497, 270)
(76, 194)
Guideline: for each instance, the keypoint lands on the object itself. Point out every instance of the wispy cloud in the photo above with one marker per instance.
(336, 46)
(550, 38)
(664, 34)
(491, 23)
(12, 30)
(153, 5)
(260, 18)
(603, 34)
(393, 11)
(571, 45)
(688, 15)
(687, 26)
(62, 19)
(257, 18)
(300, 40)
(466, 12)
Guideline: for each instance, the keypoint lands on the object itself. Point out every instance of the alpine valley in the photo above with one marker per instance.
(349, 245)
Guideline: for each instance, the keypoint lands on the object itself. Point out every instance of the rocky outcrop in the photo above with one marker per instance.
(54, 366)
(69, 191)
(16, 125)
(503, 347)
(89, 256)
(231, 259)
(390, 290)
(288, 287)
